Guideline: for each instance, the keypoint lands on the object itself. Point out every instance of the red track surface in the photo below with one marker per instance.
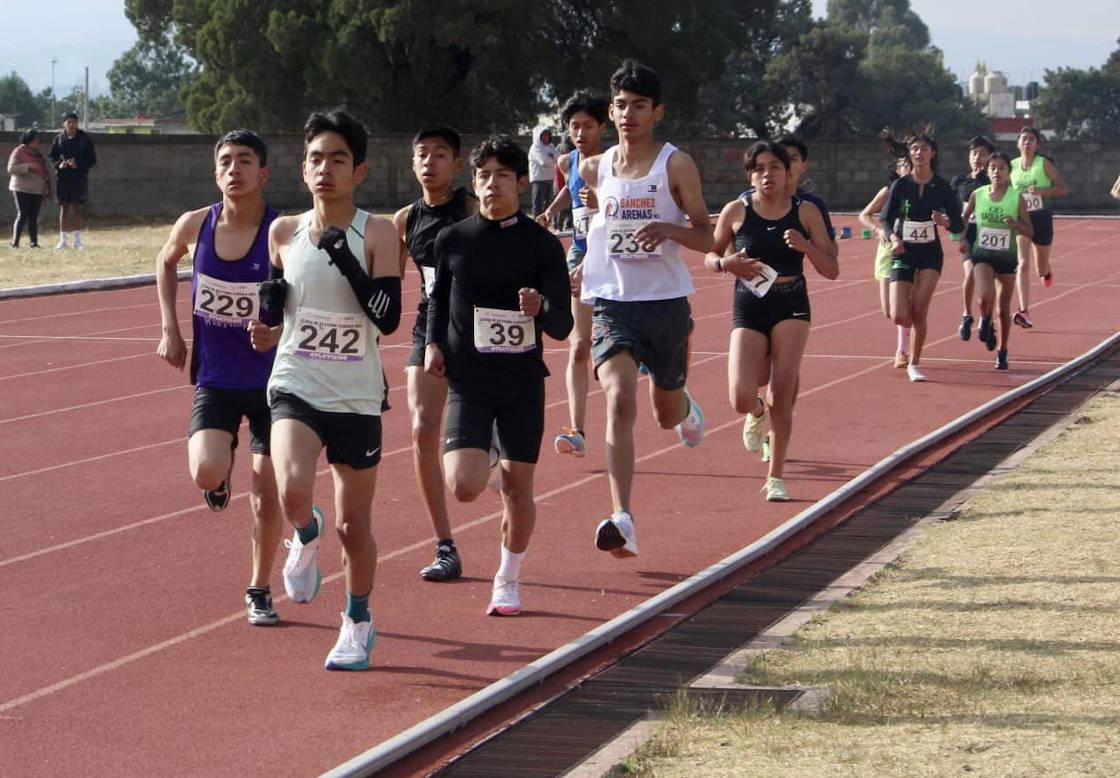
(123, 645)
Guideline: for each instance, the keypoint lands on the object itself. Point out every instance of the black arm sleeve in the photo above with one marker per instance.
(380, 298)
(556, 286)
(439, 301)
(273, 293)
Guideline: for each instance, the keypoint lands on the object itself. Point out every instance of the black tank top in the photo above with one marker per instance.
(763, 238)
(425, 221)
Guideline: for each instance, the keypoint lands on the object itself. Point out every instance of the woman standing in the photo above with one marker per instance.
(29, 184)
(761, 239)
(917, 205)
(869, 218)
(1001, 217)
(1037, 179)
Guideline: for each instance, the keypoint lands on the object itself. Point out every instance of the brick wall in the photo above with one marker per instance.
(156, 175)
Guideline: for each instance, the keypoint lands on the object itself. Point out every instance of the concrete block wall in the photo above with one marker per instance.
(154, 175)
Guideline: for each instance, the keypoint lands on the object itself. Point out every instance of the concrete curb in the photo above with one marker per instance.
(93, 285)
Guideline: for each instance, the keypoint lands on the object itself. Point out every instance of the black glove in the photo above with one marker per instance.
(333, 241)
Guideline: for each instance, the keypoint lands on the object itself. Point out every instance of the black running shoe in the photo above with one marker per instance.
(258, 605)
(1001, 359)
(218, 499)
(965, 330)
(446, 567)
(986, 333)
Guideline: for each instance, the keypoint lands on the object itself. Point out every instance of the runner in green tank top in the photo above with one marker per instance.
(1001, 216)
(1037, 179)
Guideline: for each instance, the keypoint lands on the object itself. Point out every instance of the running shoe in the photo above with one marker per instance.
(617, 535)
(901, 359)
(61, 243)
(986, 333)
(355, 641)
(754, 429)
(571, 441)
(78, 242)
(642, 368)
(691, 429)
(258, 606)
(218, 499)
(775, 490)
(1048, 279)
(1001, 359)
(965, 330)
(914, 373)
(446, 567)
(505, 598)
(1023, 319)
(301, 572)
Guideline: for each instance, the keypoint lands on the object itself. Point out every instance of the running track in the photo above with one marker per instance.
(123, 645)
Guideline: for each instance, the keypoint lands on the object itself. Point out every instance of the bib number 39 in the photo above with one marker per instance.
(338, 337)
(498, 331)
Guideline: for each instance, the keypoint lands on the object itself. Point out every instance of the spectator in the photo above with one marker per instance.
(29, 183)
(1116, 189)
(73, 155)
(542, 169)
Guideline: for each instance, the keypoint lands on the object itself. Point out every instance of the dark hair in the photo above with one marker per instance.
(895, 147)
(342, 122)
(1000, 155)
(926, 138)
(761, 147)
(1037, 135)
(70, 115)
(593, 105)
(981, 142)
(29, 136)
(444, 133)
(635, 77)
(507, 152)
(789, 140)
(243, 137)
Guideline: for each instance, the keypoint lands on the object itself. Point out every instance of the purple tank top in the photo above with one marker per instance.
(223, 299)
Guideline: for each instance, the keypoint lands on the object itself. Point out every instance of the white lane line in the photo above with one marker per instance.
(83, 406)
(48, 370)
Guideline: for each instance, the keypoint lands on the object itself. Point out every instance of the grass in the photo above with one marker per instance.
(991, 648)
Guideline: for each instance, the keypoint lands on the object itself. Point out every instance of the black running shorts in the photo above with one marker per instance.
(786, 301)
(655, 332)
(352, 439)
(223, 409)
(517, 406)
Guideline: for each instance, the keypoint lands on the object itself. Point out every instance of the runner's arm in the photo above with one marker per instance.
(684, 181)
(1116, 189)
(1058, 186)
(969, 207)
(378, 295)
(867, 216)
(557, 320)
(817, 247)
(172, 347)
(400, 221)
(723, 238)
(953, 209)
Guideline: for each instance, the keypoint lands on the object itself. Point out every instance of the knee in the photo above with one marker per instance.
(901, 319)
(580, 350)
(425, 430)
(744, 401)
(264, 504)
(208, 475)
(463, 489)
(621, 405)
(353, 531)
(667, 418)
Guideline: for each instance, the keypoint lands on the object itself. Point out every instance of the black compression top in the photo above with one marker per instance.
(763, 238)
(423, 225)
(964, 185)
(910, 202)
(480, 266)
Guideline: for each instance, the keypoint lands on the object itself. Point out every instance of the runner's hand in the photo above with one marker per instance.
(896, 245)
(262, 337)
(544, 218)
(941, 220)
(172, 350)
(650, 236)
(741, 266)
(588, 198)
(433, 361)
(333, 241)
(964, 246)
(529, 301)
(795, 240)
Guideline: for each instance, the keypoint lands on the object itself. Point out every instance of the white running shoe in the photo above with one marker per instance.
(571, 441)
(301, 573)
(691, 429)
(61, 243)
(78, 243)
(355, 641)
(775, 490)
(505, 599)
(617, 535)
(754, 428)
(915, 373)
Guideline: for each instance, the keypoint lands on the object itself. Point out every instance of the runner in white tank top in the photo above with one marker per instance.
(635, 277)
(336, 273)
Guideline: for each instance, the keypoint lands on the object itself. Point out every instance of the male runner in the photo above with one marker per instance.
(979, 149)
(230, 252)
(500, 283)
(336, 274)
(435, 160)
(650, 205)
(585, 116)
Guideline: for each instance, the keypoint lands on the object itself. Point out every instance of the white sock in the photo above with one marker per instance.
(511, 564)
(77, 236)
(904, 339)
(62, 237)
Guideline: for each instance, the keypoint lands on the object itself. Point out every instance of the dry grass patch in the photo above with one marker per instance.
(992, 648)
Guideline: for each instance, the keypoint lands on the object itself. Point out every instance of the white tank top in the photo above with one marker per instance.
(616, 267)
(327, 355)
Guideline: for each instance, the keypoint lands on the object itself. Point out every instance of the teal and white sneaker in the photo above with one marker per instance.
(301, 572)
(691, 429)
(355, 641)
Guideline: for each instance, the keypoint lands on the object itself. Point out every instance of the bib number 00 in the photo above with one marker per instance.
(338, 337)
(1034, 202)
(498, 331)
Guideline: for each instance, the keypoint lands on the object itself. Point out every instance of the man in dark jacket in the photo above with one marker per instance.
(73, 155)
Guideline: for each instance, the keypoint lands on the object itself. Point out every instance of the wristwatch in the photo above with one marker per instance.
(719, 264)
(545, 305)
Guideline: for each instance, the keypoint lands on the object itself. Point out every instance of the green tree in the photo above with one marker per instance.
(891, 21)
(147, 79)
(1082, 104)
(16, 97)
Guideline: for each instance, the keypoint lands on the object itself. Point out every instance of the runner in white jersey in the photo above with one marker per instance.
(650, 204)
(336, 274)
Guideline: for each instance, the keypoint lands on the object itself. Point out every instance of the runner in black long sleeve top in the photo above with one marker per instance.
(483, 264)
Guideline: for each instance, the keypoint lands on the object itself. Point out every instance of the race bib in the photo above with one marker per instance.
(622, 245)
(429, 274)
(581, 221)
(1034, 202)
(226, 303)
(498, 331)
(995, 239)
(337, 337)
(918, 232)
(760, 284)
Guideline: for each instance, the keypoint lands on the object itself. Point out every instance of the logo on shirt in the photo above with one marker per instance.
(653, 188)
(630, 208)
(255, 266)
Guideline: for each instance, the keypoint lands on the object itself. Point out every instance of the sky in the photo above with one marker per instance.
(1022, 38)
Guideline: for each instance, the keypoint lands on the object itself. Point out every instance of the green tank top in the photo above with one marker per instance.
(1035, 175)
(994, 238)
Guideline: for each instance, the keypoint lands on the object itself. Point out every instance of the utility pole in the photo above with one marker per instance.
(85, 102)
(51, 124)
